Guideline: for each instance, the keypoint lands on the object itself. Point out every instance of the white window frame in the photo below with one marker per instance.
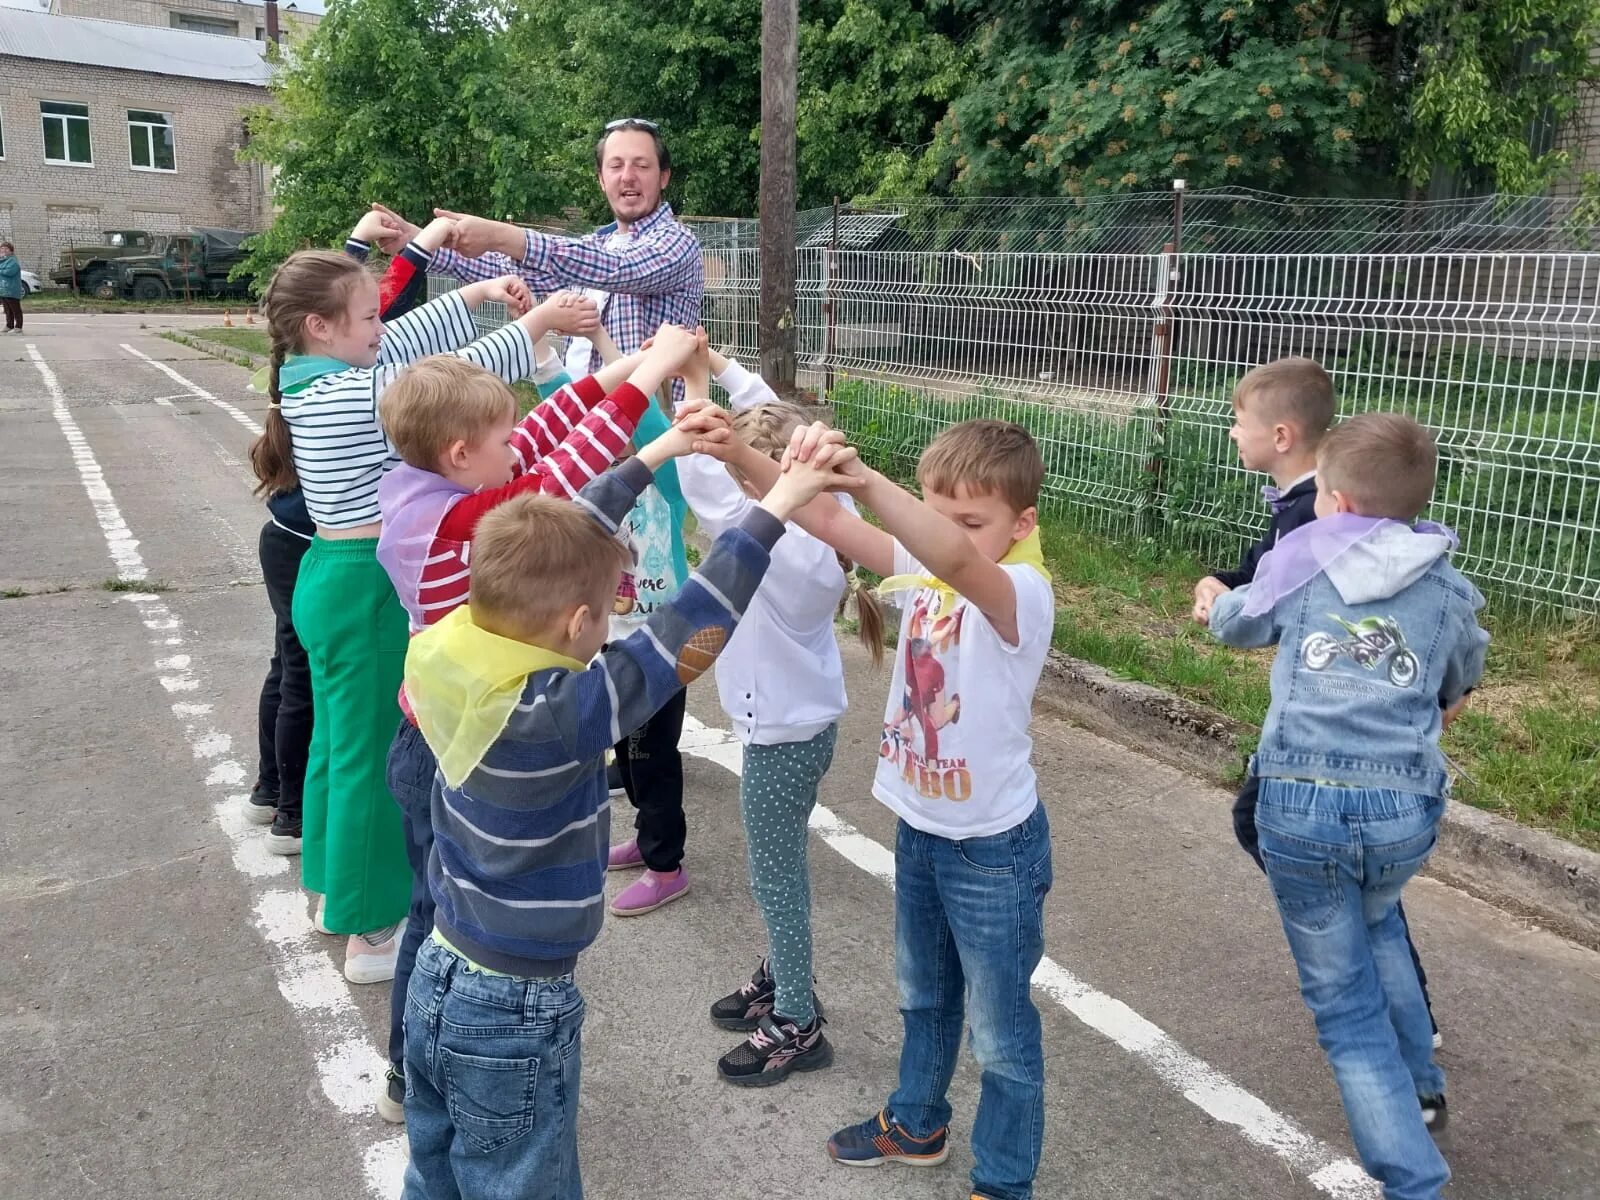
(66, 138)
(150, 141)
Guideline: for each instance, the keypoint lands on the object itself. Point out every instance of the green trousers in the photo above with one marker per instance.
(354, 631)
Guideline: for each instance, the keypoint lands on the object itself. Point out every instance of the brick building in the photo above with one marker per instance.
(226, 18)
(109, 125)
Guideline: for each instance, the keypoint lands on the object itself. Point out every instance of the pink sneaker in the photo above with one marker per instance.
(625, 856)
(649, 892)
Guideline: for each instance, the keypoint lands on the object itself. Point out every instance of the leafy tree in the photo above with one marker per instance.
(1487, 84)
(1124, 96)
(414, 102)
(1319, 96)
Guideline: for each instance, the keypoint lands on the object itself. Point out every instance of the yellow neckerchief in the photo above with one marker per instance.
(1029, 552)
(463, 683)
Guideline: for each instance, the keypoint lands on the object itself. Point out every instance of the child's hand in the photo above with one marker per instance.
(376, 228)
(671, 348)
(571, 313)
(705, 423)
(510, 291)
(398, 230)
(803, 482)
(819, 446)
(1205, 595)
(1451, 713)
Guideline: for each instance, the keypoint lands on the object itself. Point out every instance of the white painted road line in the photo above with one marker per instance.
(238, 414)
(348, 1067)
(1331, 1173)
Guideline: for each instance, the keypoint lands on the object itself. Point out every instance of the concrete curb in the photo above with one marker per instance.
(230, 354)
(1528, 872)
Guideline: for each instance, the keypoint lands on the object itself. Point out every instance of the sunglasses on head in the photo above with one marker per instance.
(632, 123)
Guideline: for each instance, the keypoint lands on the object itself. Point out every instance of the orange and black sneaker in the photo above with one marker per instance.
(879, 1140)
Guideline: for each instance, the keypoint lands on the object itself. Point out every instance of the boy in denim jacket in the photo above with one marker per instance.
(1374, 628)
(1281, 412)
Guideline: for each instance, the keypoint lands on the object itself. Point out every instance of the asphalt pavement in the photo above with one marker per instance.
(171, 1026)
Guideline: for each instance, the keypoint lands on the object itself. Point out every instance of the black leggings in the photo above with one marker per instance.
(13, 312)
(284, 726)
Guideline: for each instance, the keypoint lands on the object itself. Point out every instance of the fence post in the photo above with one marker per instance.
(1167, 287)
(828, 267)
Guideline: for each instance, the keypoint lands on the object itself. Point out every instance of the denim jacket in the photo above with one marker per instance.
(1367, 651)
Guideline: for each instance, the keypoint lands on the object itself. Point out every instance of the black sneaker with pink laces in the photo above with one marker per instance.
(742, 1010)
(775, 1048)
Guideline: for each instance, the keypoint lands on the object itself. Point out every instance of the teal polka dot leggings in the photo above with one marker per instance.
(777, 791)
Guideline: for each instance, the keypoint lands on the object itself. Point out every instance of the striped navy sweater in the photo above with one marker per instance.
(519, 852)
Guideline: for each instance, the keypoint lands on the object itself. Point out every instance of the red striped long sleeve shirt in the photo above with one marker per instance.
(560, 446)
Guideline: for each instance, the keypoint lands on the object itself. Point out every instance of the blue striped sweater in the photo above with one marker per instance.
(519, 851)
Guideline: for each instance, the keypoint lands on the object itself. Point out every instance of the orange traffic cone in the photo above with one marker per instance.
(227, 320)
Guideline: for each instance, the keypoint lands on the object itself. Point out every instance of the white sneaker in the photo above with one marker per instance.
(366, 962)
(319, 920)
(1438, 1040)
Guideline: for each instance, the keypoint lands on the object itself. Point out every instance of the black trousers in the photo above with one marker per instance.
(284, 719)
(13, 313)
(1244, 828)
(652, 774)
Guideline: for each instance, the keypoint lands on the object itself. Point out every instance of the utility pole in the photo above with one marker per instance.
(775, 312)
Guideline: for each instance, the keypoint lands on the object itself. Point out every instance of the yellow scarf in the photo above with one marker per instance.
(1029, 552)
(463, 682)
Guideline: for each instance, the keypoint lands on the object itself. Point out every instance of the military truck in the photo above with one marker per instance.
(181, 264)
(86, 267)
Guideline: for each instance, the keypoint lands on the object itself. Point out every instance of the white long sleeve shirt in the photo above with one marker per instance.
(779, 678)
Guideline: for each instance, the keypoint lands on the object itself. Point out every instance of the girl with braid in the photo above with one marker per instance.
(284, 711)
(781, 682)
(332, 357)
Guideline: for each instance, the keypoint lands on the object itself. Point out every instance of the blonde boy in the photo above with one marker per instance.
(520, 727)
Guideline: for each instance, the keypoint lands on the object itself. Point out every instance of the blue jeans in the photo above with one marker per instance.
(973, 910)
(410, 777)
(492, 1069)
(1337, 859)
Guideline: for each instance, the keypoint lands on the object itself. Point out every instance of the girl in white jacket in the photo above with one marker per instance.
(781, 683)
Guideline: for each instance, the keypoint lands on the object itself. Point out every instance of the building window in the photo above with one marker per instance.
(205, 25)
(66, 133)
(150, 141)
(2, 136)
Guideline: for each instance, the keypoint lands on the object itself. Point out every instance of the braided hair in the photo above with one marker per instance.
(309, 282)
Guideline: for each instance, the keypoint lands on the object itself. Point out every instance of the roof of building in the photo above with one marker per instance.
(124, 47)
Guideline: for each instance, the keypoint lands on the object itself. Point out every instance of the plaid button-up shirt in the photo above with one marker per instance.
(658, 277)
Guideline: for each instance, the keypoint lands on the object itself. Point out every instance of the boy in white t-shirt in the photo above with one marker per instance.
(972, 851)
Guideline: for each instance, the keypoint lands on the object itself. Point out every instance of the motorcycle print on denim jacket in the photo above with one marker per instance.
(1373, 642)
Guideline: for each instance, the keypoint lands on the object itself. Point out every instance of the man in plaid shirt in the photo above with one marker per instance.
(643, 269)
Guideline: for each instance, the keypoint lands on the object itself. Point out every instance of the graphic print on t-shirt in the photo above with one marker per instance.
(929, 703)
(649, 524)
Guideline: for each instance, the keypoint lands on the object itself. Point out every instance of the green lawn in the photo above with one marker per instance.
(1528, 744)
(61, 300)
(249, 338)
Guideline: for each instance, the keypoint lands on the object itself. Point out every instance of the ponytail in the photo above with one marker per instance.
(308, 282)
(272, 454)
(869, 613)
